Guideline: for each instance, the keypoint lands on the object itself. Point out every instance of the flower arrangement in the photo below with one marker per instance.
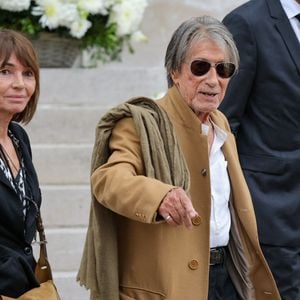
(102, 25)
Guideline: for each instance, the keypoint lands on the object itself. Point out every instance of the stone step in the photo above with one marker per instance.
(64, 247)
(68, 288)
(64, 124)
(105, 86)
(65, 206)
(62, 164)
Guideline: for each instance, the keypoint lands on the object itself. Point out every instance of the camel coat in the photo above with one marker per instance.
(158, 261)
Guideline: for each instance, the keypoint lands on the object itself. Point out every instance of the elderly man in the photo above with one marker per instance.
(169, 197)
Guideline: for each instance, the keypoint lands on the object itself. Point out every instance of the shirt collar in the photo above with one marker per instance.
(220, 136)
(291, 8)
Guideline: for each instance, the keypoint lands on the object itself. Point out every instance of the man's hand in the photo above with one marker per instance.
(177, 208)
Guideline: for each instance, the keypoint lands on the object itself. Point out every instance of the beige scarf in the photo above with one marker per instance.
(163, 160)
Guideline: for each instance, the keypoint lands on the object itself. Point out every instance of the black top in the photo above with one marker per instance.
(16, 234)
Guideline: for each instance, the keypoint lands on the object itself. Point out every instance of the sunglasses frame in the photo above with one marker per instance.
(231, 68)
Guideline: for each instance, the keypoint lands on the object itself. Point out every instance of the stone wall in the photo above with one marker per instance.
(62, 132)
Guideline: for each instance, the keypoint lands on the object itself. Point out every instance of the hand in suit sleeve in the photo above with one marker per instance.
(239, 89)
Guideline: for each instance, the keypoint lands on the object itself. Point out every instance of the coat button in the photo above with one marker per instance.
(27, 250)
(193, 264)
(204, 172)
(196, 221)
(140, 215)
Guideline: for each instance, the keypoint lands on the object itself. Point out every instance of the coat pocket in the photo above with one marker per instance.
(262, 164)
(16, 277)
(132, 293)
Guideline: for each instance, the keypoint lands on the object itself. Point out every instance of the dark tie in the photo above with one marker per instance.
(298, 17)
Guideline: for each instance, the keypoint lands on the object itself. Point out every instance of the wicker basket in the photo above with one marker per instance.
(55, 51)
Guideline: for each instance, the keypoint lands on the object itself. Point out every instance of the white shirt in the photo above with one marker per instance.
(220, 220)
(292, 9)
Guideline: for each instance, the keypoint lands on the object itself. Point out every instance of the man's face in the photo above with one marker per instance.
(202, 93)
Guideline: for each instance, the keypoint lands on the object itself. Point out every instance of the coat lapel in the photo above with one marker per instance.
(32, 189)
(30, 192)
(180, 112)
(4, 180)
(282, 24)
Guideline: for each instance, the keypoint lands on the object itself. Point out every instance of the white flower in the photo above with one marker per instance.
(95, 6)
(79, 28)
(14, 5)
(138, 36)
(50, 12)
(76, 17)
(127, 14)
(68, 14)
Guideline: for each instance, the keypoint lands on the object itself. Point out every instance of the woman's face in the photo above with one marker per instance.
(202, 93)
(17, 85)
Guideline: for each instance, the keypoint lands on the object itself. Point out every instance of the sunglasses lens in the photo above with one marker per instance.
(199, 67)
(225, 70)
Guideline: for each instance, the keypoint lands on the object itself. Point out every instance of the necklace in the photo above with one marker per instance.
(8, 159)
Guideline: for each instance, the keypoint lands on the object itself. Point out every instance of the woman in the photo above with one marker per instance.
(175, 240)
(20, 196)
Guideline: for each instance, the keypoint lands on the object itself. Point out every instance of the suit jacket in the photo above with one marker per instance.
(16, 258)
(262, 104)
(156, 260)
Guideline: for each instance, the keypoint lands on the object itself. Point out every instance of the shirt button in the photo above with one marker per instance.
(196, 221)
(204, 172)
(194, 264)
(27, 250)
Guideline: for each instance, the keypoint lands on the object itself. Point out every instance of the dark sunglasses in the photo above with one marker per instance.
(201, 67)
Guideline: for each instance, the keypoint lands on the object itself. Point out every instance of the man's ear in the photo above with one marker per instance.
(174, 76)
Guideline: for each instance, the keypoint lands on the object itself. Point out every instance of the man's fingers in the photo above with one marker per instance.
(177, 208)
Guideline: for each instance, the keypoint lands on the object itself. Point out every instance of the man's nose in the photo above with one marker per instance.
(212, 76)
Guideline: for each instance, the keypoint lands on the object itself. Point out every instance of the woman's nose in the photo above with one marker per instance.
(18, 81)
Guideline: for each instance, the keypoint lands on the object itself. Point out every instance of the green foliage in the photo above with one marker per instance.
(104, 38)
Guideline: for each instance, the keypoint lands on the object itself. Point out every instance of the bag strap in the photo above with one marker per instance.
(43, 271)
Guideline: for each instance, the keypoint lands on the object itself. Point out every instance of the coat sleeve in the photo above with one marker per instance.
(239, 89)
(121, 185)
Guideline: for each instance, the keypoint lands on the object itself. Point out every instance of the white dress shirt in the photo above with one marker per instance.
(220, 220)
(292, 9)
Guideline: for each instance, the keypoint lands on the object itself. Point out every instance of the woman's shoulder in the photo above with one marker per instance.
(21, 136)
(18, 131)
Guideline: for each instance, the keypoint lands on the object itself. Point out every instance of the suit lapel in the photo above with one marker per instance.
(282, 24)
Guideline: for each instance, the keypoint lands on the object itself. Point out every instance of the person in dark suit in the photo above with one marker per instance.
(262, 104)
(20, 195)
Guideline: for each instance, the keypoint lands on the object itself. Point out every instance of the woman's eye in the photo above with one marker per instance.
(29, 73)
(4, 71)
